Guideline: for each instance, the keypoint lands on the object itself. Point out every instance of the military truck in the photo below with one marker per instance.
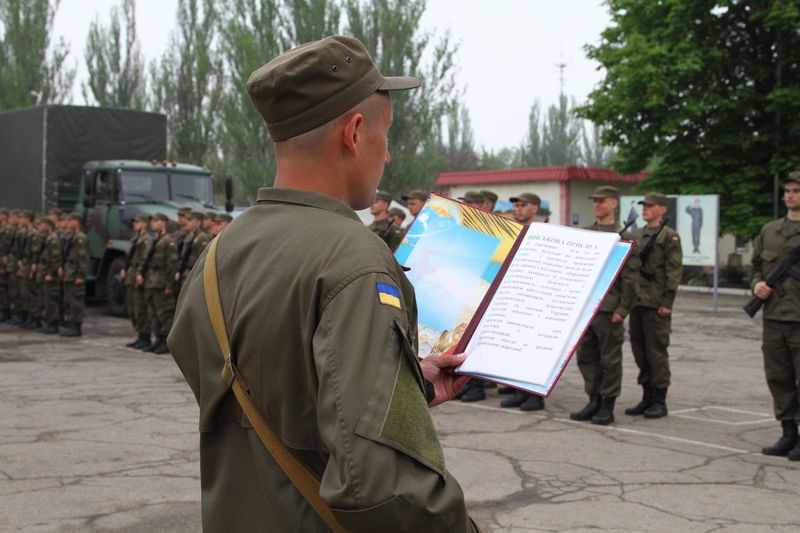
(108, 164)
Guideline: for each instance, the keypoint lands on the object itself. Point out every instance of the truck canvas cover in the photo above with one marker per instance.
(42, 149)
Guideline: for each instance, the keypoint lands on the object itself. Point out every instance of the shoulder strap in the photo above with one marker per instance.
(300, 476)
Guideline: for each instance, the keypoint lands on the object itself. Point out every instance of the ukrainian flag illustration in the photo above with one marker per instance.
(388, 295)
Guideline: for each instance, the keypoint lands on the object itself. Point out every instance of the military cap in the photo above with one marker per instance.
(605, 191)
(490, 196)
(654, 198)
(211, 215)
(27, 213)
(396, 211)
(223, 217)
(183, 211)
(383, 195)
(473, 197)
(74, 216)
(161, 216)
(793, 177)
(316, 82)
(3, 211)
(55, 212)
(44, 220)
(197, 215)
(142, 217)
(526, 197)
(416, 194)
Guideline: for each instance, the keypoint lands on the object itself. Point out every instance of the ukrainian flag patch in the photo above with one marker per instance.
(388, 294)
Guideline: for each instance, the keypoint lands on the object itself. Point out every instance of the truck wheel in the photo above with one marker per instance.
(115, 288)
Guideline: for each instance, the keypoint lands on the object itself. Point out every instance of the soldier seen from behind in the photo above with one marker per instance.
(75, 266)
(135, 298)
(651, 318)
(777, 246)
(600, 350)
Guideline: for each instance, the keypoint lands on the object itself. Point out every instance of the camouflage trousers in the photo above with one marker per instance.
(781, 348)
(74, 298)
(160, 310)
(5, 301)
(649, 342)
(600, 356)
(33, 298)
(137, 309)
(51, 302)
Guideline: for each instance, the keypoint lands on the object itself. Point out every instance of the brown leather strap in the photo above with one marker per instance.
(301, 477)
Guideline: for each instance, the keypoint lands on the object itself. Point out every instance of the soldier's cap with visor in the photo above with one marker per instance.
(55, 212)
(161, 216)
(396, 211)
(417, 194)
(316, 82)
(46, 221)
(793, 177)
(383, 195)
(223, 217)
(473, 197)
(605, 191)
(27, 213)
(490, 196)
(197, 215)
(183, 211)
(211, 215)
(654, 198)
(4, 211)
(141, 217)
(75, 216)
(526, 197)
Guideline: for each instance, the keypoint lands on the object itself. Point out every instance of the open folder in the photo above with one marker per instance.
(516, 299)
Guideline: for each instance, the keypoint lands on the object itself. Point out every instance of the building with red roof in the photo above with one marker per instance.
(564, 190)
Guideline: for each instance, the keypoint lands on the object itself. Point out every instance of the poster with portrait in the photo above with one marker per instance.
(698, 226)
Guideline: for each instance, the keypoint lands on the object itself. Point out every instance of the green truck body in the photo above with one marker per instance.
(109, 165)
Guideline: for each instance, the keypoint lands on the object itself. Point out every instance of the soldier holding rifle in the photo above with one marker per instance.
(776, 249)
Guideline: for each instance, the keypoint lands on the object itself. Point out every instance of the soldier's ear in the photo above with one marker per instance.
(352, 132)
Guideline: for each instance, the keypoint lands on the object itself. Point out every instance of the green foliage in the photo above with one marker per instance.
(711, 89)
(116, 69)
(28, 76)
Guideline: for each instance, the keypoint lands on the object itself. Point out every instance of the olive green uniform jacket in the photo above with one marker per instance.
(387, 230)
(76, 266)
(49, 261)
(193, 246)
(666, 260)
(323, 326)
(781, 336)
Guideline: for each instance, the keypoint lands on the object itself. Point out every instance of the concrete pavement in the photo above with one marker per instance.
(98, 437)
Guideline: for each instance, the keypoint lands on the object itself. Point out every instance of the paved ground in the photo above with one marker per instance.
(96, 437)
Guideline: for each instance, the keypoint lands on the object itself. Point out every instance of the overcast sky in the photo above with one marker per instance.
(508, 51)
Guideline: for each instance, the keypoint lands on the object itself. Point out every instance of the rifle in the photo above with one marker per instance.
(646, 272)
(131, 251)
(149, 257)
(775, 280)
(182, 264)
(626, 226)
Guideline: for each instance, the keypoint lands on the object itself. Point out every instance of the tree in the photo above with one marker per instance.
(390, 29)
(531, 153)
(116, 72)
(709, 88)
(311, 20)
(594, 152)
(561, 133)
(458, 149)
(187, 84)
(28, 75)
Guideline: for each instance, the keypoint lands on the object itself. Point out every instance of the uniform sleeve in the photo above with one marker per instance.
(386, 468)
(630, 284)
(757, 261)
(673, 268)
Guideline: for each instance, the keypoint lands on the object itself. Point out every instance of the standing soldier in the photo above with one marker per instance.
(47, 276)
(383, 225)
(6, 233)
(32, 281)
(193, 245)
(209, 221)
(600, 351)
(781, 336)
(134, 294)
(651, 318)
(29, 238)
(415, 200)
(183, 227)
(490, 199)
(10, 267)
(73, 276)
(156, 274)
(221, 221)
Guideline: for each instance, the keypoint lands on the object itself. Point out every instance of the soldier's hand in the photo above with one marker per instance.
(664, 311)
(48, 278)
(34, 267)
(122, 273)
(438, 369)
(78, 281)
(60, 272)
(616, 318)
(168, 291)
(177, 276)
(762, 290)
(139, 279)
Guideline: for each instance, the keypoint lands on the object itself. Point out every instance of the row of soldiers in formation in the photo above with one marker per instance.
(44, 261)
(156, 266)
(645, 291)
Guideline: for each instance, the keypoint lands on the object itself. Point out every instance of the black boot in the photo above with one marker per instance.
(506, 390)
(16, 319)
(23, 319)
(33, 323)
(589, 410)
(160, 346)
(658, 408)
(794, 453)
(606, 413)
(50, 328)
(474, 392)
(641, 407)
(140, 341)
(516, 400)
(532, 403)
(73, 330)
(3, 315)
(788, 441)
